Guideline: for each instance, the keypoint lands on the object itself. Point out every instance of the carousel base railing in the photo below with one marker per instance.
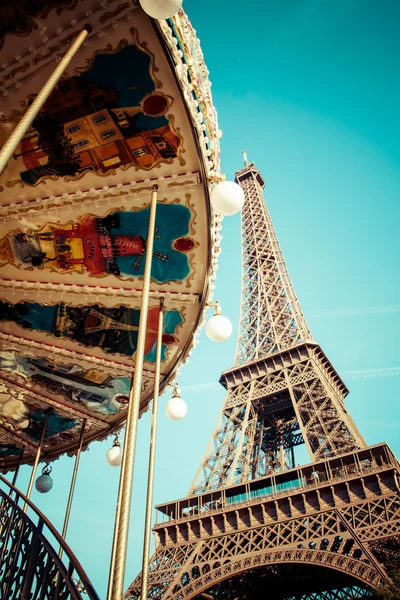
(30, 566)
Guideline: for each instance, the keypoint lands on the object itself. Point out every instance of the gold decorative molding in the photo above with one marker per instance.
(47, 54)
(192, 265)
(68, 178)
(23, 184)
(181, 150)
(12, 117)
(109, 49)
(157, 162)
(28, 100)
(30, 26)
(143, 47)
(192, 209)
(68, 5)
(109, 15)
(11, 74)
(180, 183)
(79, 289)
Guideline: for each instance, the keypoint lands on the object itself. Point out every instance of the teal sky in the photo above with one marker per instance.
(311, 89)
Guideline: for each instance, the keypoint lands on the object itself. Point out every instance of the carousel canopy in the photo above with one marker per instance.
(134, 109)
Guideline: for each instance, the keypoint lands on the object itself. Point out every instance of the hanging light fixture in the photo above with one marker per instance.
(227, 198)
(161, 9)
(176, 408)
(114, 455)
(218, 328)
(44, 482)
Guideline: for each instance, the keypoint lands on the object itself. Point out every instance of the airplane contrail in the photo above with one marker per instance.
(352, 312)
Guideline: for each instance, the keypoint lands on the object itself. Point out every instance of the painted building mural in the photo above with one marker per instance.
(108, 117)
(115, 244)
(115, 330)
(9, 450)
(22, 416)
(93, 388)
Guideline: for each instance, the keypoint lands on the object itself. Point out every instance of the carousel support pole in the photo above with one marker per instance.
(16, 472)
(152, 455)
(72, 488)
(114, 547)
(118, 558)
(37, 457)
(12, 142)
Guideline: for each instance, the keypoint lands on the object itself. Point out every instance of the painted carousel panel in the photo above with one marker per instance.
(20, 413)
(115, 330)
(91, 387)
(108, 116)
(8, 449)
(112, 245)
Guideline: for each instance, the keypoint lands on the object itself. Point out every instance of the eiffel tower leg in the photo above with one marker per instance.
(243, 428)
(366, 551)
(332, 529)
(320, 542)
(323, 531)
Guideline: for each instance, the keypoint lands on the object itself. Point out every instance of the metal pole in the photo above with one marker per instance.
(72, 488)
(118, 559)
(16, 472)
(114, 547)
(37, 457)
(26, 121)
(152, 455)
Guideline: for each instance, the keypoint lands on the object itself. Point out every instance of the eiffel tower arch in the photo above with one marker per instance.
(254, 524)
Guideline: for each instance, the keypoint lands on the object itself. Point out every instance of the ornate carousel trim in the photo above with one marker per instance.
(102, 193)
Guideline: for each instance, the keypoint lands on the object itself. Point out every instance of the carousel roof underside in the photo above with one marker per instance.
(133, 110)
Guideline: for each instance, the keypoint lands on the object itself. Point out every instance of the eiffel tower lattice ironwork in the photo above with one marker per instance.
(254, 524)
(105, 323)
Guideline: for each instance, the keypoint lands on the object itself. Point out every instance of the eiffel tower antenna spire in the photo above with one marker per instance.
(246, 162)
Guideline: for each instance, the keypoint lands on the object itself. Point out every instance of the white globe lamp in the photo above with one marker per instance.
(176, 408)
(161, 9)
(44, 483)
(114, 455)
(227, 198)
(218, 328)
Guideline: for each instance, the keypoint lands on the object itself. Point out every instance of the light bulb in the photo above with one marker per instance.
(44, 483)
(227, 198)
(114, 456)
(161, 9)
(218, 328)
(176, 408)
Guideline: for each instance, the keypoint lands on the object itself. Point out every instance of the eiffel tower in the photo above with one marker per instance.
(105, 323)
(254, 524)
